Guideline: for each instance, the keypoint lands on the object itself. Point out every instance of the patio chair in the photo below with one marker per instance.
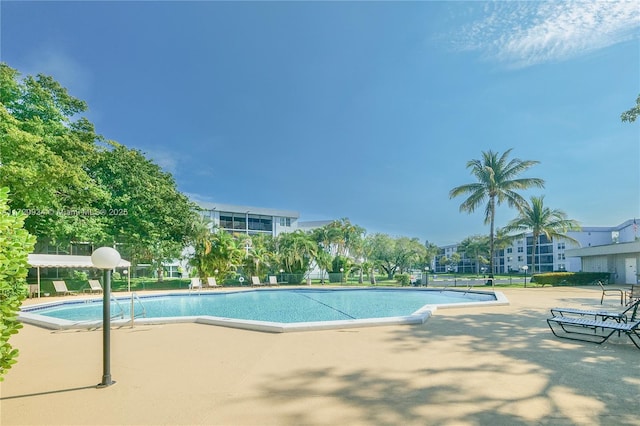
(61, 288)
(593, 331)
(612, 292)
(255, 282)
(94, 287)
(33, 290)
(211, 282)
(273, 280)
(631, 309)
(195, 284)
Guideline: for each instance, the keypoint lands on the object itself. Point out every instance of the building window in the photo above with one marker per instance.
(239, 222)
(226, 221)
(561, 256)
(509, 249)
(285, 221)
(520, 258)
(520, 249)
(561, 246)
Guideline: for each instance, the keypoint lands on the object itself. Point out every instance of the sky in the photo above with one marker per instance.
(361, 110)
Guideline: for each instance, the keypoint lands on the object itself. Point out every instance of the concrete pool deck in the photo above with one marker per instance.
(493, 365)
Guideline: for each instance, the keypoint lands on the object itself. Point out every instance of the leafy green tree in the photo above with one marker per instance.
(632, 114)
(431, 252)
(323, 261)
(77, 187)
(45, 151)
(199, 240)
(296, 251)
(15, 245)
(497, 182)
(395, 254)
(260, 257)
(541, 220)
(454, 260)
(476, 248)
(341, 240)
(226, 255)
(345, 235)
(146, 211)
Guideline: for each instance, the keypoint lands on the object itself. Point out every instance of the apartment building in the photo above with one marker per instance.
(598, 249)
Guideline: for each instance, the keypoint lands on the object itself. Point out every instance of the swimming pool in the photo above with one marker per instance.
(274, 310)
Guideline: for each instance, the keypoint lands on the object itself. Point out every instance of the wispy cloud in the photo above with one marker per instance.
(65, 68)
(522, 34)
(169, 161)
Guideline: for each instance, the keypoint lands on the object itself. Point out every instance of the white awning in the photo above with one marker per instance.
(65, 261)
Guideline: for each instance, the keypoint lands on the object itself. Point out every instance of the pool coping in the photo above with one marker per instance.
(420, 316)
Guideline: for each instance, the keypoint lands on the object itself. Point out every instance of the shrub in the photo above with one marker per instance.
(569, 278)
(15, 244)
(403, 279)
(80, 276)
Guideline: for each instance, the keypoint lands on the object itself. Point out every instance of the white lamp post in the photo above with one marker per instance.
(524, 268)
(106, 258)
(341, 275)
(426, 276)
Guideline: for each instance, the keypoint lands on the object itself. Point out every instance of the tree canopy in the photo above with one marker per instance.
(631, 114)
(73, 185)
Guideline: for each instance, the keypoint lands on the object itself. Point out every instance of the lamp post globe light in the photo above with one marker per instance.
(106, 258)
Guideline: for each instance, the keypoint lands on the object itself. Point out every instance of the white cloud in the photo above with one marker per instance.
(65, 69)
(167, 160)
(522, 34)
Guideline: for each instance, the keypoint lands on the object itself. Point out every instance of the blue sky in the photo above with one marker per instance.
(365, 110)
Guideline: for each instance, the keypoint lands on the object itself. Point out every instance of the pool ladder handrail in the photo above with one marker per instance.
(121, 314)
(135, 297)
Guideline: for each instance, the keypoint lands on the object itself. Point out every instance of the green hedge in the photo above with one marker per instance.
(570, 278)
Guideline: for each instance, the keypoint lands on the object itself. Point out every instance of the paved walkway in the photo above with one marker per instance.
(472, 366)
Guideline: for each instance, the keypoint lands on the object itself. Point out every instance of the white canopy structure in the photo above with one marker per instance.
(66, 261)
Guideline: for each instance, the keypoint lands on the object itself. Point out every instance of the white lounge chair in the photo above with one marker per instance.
(94, 287)
(255, 282)
(273, 280)
(211, 282)
(195, 284)
(61, 288)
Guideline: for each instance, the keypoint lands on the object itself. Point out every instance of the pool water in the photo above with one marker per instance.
(284, 306)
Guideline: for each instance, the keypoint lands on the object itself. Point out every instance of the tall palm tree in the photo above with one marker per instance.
(497, 183)
(539, 219)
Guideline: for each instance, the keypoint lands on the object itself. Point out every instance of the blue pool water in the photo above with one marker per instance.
(276, 305)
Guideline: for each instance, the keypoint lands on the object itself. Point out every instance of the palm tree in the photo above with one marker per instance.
(200, 239)
(259, 256)
(296, 250)
(226, 253)
(538, 219)
(497, 183)
(475, 248)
